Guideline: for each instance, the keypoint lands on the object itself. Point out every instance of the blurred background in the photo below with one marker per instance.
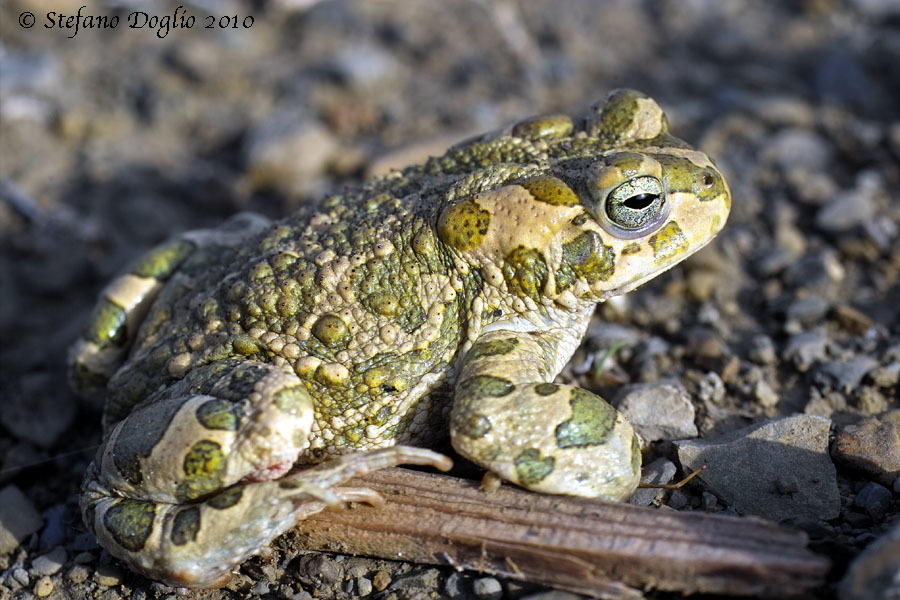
(112, 140)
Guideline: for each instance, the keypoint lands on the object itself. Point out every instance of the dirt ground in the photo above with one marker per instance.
(112, 140)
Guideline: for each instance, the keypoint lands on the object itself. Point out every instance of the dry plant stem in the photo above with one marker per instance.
(583, 545)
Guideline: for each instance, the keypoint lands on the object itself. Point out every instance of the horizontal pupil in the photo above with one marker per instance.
(640, 201)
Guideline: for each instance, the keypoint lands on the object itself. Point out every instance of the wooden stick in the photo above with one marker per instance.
(582, 545)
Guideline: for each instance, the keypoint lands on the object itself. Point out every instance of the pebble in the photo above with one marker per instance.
(709, 502)
(808, 310)
(108, 575)
(874, 499)
(43, 587)
(873, 574)
(32, 412)
(457, 585)
(315, 568)
(57, 520)
(50, 563)
(711, 388)
(381, 580)
(363, 586)
(762, 350)
(487, 588)
(797, 148)
(21, 576)
(804, 349)
(660, 471)
(844, 375)
(871, 446)
(659, 410)
(778, 469)
(887, 376)
(817, 273)
(851, 319)
(18, 518)
(289, 150)
(78, 574)
(846, 211)
(423, 582)
(764, 394)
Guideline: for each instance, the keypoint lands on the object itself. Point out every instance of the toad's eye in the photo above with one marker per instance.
(636, 203)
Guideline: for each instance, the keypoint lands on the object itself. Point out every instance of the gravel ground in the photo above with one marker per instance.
(773, 355)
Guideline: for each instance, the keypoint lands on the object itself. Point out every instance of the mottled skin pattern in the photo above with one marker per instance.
(447, 296)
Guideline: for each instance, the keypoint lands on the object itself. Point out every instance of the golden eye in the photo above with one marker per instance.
(635, 203)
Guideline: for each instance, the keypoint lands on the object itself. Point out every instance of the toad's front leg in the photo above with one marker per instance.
(189, 485)
(559, 439)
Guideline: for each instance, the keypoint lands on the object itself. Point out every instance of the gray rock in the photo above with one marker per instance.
(805, 349)
(844, 375)
(18, 519)
(846, 211)
(32, 412)
(817, 273)
(887, 376)
(808, 310)
(363, 586)
(873, 574)
(762, 350)
(797, 148)
(871, 446)
(660, 472)
(488, 588)
(778, 470)
(874, 499)
(457, 585)
(50, 563)
(289, 151)
(658, 411)
(426, 581)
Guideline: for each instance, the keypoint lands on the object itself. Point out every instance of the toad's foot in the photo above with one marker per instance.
(198, 544)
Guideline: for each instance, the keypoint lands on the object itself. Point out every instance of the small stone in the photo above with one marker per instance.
(363, 586)
(21, 576)
(871, 446)
(712, 389)
(747, 468)
(43, 587)
(762, 350)
(83, 558)
(57, 520)
(678, 499)
(704, 343)
(457, 585)
(886, 377)
(658, 411)
(18, 519)
(659, 472)
(807, 310)
(847, 210)
(874, 499)
(851, 319)
(381, 580)
(315, 568)
(84, 542)
(708, 502)
(844, 375)
(488, 588)
(260, 588)
(764, 394)
(78, 574)
(797, 148)
(108, 575)
(873, 574)
(50, 563)
(289, 150)
(804, 349)
(425, 582)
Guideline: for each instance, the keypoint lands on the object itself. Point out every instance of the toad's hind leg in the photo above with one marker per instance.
(187, 485)
(198, 544)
